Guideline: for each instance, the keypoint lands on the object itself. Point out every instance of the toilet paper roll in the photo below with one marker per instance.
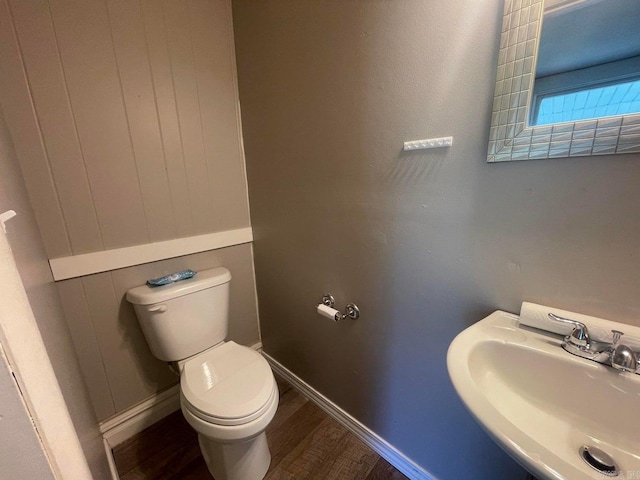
(537, 316)
(329, 312)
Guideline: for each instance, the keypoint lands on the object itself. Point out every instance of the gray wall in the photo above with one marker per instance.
(426, 243)
(35, 274)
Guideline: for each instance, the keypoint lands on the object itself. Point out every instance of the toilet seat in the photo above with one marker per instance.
(227, 385)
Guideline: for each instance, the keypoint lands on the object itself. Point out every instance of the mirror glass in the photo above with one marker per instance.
(568, 80)
(588, 63)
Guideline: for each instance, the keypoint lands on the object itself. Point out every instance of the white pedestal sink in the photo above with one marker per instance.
(542, 404)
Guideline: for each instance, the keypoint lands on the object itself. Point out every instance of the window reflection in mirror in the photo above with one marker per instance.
(588, 61)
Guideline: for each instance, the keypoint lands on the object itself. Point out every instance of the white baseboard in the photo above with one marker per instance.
(378, 444)
(125, 425)
(110, 460)
(132, 421)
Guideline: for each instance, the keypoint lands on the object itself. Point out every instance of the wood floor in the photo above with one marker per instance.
(305, 443)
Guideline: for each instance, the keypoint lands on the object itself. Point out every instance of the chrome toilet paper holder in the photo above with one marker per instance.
(352, 310)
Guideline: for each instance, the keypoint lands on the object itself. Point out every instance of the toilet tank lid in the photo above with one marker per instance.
(146, 295)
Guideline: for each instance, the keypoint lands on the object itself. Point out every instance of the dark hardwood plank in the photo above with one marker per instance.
(290, 433)
(290, 402)
(166, 464)
(196, 470)
(351, 459)
(171, 433)
(383, 470)
(305, 444)
(310, 454)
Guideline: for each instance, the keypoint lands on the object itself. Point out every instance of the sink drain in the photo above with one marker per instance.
(599, 460)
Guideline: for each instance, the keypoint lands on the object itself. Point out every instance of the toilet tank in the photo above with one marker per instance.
(186, 317)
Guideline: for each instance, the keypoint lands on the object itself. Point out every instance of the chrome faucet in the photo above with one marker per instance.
(579, 338)
(622, 357)
(615, 354)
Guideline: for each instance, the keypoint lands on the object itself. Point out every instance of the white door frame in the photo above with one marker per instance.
(34, 374)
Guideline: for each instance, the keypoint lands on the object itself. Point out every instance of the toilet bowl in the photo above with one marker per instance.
(228, 393)
(229, 396)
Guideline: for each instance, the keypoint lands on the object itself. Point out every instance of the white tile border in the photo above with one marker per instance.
(510, 136)
(86, 264)
(378, 444)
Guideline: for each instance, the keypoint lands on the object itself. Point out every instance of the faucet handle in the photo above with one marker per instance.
(622, 357)
(616, 337)
(579, 337)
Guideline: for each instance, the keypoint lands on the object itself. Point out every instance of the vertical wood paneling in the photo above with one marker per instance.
(158, 52)
(131, 373)
(137, 361)
(47, 82)
(135, 75)
(120, 343)
(18, 111)
(212, 38)
(176, 18)
(137, 104)
(84, 41)
(132, 137)
(90, 357)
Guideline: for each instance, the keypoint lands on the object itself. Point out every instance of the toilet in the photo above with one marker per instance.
(228, 393)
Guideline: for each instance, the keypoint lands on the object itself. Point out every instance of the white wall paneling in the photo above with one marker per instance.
(96, 262)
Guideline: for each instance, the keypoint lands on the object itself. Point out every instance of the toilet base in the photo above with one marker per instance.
(236, 461)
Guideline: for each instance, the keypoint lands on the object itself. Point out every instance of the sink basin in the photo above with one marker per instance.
(541, 404)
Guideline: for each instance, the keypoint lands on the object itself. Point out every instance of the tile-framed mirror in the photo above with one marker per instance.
(528, 83)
